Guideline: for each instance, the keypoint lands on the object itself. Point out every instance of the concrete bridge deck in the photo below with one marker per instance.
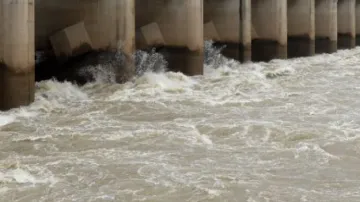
(251, 29)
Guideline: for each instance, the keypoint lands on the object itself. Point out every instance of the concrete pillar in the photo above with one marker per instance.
(346, 23)
(17, 77)
(149, 36)
(228, 22)
(195, 37)
(326, 26)
(269, 32)
(71, 42)
(1, 55)
(357, 21)
(148, 33)
(111, 26)
(100, 20)
(181, 25)
(125, 34)
(53, 15)
(301, 28)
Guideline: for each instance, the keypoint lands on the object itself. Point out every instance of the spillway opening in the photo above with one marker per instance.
(77, 69)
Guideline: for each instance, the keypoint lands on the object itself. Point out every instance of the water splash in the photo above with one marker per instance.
(212, 55)
(6, 119)
(145, 61)
(149, 62)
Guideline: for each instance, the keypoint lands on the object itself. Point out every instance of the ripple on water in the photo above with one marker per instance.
(286, 130)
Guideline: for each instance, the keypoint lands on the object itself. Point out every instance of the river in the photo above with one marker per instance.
(282, 131)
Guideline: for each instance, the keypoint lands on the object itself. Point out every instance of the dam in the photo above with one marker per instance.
(244, 127)
(251, 30)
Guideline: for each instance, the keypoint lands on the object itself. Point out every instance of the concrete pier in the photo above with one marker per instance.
(182, 26)
(357, 21)
(301, 28)
(111, 26)
(326, 26)
(228, 23)
(346, 22)
(17, 77)
(176, 29)
(125, 35)
(269, 32)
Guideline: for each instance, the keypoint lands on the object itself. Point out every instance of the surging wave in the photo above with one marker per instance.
(255, 132)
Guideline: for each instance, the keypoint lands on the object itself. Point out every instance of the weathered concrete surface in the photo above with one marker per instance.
(269, 19)
(228, 22)
(301, 28)
(301, 18)
(346, 22)
(181, 26)
(105, 20)
(17, 79)
(195, 37)
(210, 32)
(149, 35)
(108, 23)
(357, 21)
(1, 56)
(326, 26)
(125, 33)
(71, 41)
(53, 15)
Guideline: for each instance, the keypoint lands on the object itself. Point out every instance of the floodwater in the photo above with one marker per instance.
(284, 131)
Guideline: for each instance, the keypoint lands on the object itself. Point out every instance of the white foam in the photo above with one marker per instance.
(100, 73)
(53, 96)
(150, 86)
(60, 90)
(25, 113)
(233, 122)
(21, 176)
(3, 190)
(166, 81)
(6, 119)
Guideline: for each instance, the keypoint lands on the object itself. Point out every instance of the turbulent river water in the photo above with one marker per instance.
(287, 131)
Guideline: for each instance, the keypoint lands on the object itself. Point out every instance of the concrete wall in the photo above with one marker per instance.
(1, 37)
(169, 15)
(301, 18)
(346, 23)
(148, 11)
(269, 20)
(228, 22)
(101, 22)
(225, 16)
(346, 17)
(125, 26)
(176, 26)
(102, 19)
(54, 15)
(176, 20)
(357, 13)
(326, 19)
